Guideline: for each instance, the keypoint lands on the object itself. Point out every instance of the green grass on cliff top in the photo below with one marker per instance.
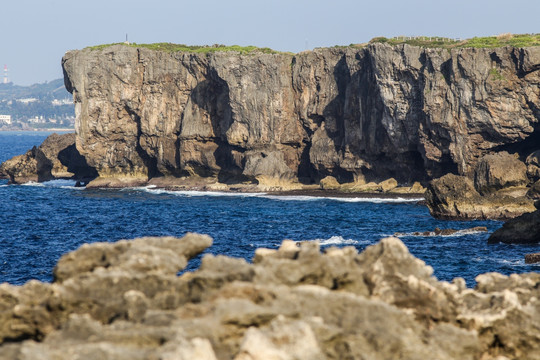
(168, 47)
(522, 40)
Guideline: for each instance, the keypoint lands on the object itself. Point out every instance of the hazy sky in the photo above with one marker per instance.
(36, 33)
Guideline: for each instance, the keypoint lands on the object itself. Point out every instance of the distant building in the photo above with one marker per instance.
(27, 100)
(58, 102)
(5, 119)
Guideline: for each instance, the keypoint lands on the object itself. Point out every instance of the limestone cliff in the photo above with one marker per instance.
(375, 112)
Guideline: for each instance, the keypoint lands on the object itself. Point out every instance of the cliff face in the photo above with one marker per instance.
(376, 112)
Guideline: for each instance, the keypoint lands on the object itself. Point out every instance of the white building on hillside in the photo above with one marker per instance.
(5, 119)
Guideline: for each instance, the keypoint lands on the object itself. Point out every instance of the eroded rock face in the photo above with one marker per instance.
(371, 113)
(497, 190)
(125, 301)
(57, 157)
(497, 171)
(524, 229)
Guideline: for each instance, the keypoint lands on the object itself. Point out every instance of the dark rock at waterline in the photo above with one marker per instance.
(524, 229)
(445, 232)
(56, 158)
(124, 300)
(532, 258)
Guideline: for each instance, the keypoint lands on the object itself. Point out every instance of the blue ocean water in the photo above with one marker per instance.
(40, 222)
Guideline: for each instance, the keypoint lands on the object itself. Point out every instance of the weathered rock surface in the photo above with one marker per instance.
(367, 113)
(125, 301)
(57, 157)
(532, 258)
(497, 190)
(524, 229)
(494, 172)
(455, 197)
(533, 166)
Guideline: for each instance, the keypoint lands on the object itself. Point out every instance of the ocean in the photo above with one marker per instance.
(41, 222)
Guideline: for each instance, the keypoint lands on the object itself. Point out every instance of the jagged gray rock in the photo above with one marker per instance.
(124, 301)
(368, 113)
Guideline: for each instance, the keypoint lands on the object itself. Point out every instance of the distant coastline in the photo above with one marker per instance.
(41, 129)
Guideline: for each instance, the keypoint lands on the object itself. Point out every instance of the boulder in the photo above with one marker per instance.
(533, 166)
(388, 184)
(532, 258)
(329, 183)
(524, 229)
(455, 197)
(497, 171)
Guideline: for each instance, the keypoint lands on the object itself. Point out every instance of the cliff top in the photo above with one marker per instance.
(168, 47)
(515, 40)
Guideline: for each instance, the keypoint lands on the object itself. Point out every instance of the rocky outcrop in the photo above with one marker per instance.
(494, 172)
(444, 232)
(125, 301)
(497, 190)
(524, 229)
(357, 114)
(57, 157)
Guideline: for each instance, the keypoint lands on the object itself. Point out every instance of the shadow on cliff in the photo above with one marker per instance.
(71, 158)
(353, 120)
(333, 118)
(212, 95)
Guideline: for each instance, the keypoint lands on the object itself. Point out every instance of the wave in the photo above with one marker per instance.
(60, 183)
(193, 193)
(341, 199)
(340, 240)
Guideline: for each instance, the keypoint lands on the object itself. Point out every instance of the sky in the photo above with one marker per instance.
(36, 33)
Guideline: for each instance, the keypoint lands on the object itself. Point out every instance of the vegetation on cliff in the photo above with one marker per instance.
(521, 40)
(169, 47)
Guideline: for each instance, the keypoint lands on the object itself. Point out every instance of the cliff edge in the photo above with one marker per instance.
(357, 114)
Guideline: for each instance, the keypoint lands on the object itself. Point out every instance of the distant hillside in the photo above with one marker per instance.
(46, 105)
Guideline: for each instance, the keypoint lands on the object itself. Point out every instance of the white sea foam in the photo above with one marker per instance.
(60, 183)
(192, 193)
(340, 240)
(341, 199)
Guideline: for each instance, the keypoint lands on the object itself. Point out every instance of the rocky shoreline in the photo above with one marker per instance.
(124, 300)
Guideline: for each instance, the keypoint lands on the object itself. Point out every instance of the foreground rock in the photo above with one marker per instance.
(125, 301)
(57, 157)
